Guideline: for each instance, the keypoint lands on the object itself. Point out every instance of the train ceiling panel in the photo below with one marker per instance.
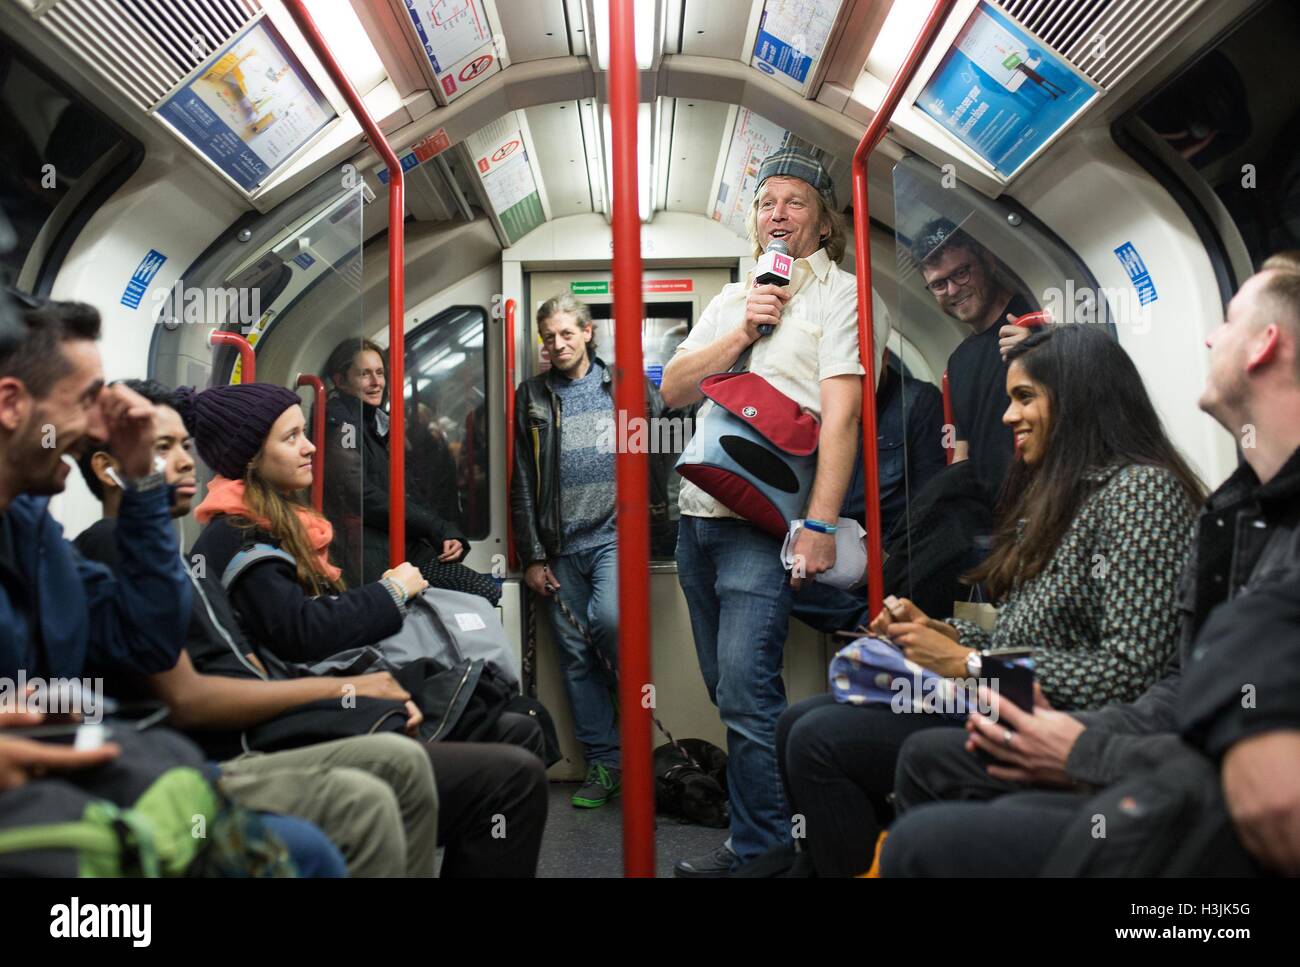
(147, 47)
(714, 28)
(456, 39)
(505, 165)
(697, 138)
(533, 29)
(792, 35)
(561, 156)
(1104, 39)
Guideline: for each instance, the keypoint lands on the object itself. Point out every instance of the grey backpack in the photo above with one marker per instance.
(447, 626)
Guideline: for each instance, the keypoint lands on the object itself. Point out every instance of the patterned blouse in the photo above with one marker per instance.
(1100, 616)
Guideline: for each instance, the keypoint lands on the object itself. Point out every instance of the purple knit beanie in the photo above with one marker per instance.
(230, 423)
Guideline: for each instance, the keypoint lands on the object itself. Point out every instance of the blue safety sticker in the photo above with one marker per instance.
(141, 277)
(1137, 272)
(655, 374)
(304, 260)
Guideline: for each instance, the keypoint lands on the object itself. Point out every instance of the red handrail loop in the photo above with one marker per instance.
(247, 358)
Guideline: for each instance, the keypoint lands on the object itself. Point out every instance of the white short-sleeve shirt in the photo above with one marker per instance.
(816, 340)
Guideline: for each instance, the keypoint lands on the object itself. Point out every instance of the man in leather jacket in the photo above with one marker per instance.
(562, 499)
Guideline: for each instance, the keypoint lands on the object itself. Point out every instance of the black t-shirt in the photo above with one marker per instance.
(977, 382)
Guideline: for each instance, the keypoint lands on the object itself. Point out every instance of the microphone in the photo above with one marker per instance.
(773, 268)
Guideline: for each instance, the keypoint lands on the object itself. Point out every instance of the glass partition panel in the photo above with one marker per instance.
(298, 302)
(447, 419)
(970, 274)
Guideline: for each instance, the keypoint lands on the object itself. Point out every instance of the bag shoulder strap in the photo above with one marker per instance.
(742, 361)
(247, 557)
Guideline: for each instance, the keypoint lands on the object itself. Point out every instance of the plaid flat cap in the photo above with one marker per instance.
(796, 163)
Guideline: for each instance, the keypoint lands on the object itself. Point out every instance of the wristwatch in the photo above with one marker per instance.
(974, 663)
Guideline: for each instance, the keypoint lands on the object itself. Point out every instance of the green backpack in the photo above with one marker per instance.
(179, 825)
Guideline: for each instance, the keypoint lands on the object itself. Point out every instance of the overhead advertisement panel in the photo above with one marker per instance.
(501, 159)
(791, 37)
(1001, 92)
(457, 40)
(250, 107)
(753, 139)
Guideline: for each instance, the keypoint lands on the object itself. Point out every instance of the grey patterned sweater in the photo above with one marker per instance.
(1100, 617)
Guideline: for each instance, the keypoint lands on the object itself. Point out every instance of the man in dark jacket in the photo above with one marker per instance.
(1247, 548)
(562, 498)
(57, 609)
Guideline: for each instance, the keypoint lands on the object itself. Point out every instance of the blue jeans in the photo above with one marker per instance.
(589, 589)
(310, 849)
(740, 597)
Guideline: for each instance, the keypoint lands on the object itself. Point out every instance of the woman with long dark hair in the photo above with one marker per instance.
(356, 482)
(1095, 525)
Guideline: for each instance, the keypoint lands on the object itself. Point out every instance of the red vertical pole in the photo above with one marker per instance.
(247, 358)
(396, 280)
(631, 469)
(947, 416)
(862, 257)
(317, 438)
(511, 557)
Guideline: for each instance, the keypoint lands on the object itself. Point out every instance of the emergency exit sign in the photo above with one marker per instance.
(647, 285)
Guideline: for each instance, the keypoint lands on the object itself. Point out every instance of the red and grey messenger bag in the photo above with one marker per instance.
(755, 452)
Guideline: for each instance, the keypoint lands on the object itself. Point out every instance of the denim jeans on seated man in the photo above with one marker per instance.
(589, 589)
(740, 597)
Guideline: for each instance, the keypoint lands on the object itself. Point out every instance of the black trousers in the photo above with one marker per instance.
(837, 763)
(491, 801)
(1010, 836)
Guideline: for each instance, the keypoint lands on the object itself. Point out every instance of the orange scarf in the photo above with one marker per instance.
(226, 496)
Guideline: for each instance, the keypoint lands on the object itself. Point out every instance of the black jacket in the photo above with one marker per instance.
(1247, 549)
(278, 616)
(356, 494)
(535, 485)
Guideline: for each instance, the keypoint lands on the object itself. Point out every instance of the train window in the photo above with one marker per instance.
(59, 160)
(664, 327)
(447, 417)
(1234, 117)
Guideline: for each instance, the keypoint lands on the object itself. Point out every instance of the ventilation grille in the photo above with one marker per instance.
(1104, 39)
(146, 47)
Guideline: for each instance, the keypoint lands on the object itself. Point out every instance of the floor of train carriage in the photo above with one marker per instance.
(589, 842)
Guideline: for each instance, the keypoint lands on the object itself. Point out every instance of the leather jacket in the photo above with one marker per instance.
(535, 485)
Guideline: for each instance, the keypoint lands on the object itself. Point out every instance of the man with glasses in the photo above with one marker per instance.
(970, 285)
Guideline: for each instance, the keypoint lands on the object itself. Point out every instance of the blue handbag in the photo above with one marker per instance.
(873, 671)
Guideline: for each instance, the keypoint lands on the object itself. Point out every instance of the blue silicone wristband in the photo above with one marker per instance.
(820, 526)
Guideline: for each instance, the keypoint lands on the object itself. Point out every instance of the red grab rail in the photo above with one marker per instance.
(317, 437)
(862, 256)
(947, 417)
(247, 358)
(631, 469)
(396, 280)
(511, 556)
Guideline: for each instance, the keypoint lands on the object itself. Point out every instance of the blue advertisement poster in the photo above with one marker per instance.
(1001, 93)
(251, 108)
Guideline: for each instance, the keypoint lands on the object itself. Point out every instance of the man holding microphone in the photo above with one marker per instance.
(803, 339)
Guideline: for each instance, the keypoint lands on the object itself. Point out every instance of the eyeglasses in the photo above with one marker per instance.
(959, 277)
